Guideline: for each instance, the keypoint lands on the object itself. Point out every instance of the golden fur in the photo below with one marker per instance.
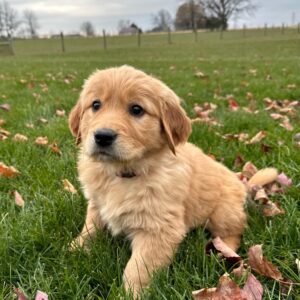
(176, 187)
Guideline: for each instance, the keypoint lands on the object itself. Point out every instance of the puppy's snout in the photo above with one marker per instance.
(105, 137)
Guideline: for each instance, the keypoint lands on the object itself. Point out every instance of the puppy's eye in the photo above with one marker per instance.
(136, 110)
(96, 105)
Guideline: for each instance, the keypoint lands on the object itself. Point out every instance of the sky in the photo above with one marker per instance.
(67, 15)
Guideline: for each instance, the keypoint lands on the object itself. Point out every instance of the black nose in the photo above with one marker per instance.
(105, 137)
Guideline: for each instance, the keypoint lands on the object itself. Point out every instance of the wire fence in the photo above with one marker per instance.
(67, 44)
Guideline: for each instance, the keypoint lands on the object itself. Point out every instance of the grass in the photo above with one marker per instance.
(34, 239)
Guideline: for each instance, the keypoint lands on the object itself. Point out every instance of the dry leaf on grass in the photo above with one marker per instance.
(20, 294)
(20, 138)
(219, 245)
(287, 125)
(19, 201)
(233, 105)
(261, 265)
(41, 296)
(226, 290)
(41, 140)
(200, 74)
(60, 113)
(5, 106)
(253, 289)
(68, 186)
(43, 120)
(7, 171)
(249, 170)
(284, 180)
(2, 122)
(54, 148)
(271, 209)
(29, 125)
(258, 137)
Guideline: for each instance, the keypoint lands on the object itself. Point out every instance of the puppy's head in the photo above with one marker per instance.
(123, 114)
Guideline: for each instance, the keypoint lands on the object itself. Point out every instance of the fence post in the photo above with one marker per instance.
(62, 40)
(104, 40)
(169, 36)
(244, 30)
(139, 38)
(282, 28)
(195, 35)
(298, 27)
(266, 28)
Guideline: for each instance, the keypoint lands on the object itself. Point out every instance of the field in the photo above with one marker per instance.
(40, 79)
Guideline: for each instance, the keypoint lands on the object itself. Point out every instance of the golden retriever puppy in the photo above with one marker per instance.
(141, 177)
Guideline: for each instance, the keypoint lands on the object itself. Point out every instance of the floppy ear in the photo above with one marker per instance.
(74, 122)
(176, 124)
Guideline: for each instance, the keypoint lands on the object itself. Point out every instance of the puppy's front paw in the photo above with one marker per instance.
(76, 244)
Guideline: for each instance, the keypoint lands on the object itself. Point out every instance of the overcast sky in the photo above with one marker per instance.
(67, 15)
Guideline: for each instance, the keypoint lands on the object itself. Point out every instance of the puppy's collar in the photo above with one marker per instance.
(126, 174)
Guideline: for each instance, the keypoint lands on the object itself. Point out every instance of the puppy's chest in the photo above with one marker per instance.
(128, 206)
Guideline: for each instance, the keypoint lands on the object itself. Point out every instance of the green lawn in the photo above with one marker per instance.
(34, 239)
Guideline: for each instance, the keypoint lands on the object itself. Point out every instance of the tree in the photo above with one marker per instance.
(190, 15)
(31, 23)
(8, 20)
(87, 28)
(162, 20)
(225, 9)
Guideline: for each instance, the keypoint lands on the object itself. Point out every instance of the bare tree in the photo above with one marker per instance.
(87, 28)
(31, 23)
(225, 9)
(9, 19)
(162, 20)
(190, 15)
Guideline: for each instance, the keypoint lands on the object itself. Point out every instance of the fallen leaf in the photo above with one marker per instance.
(261, 196)
(29, 125)
(20, 294)
(276, 116)
(43, 120)
(68, 186)
(291, 86)
(271, 209)
(238, 161)
(4, 132)
(296, 136)
(265, 148)
(249, 96)
(287, 125)
(54, 148)
(253, 72)
(41, 296)
(261, 265)
(233, 105)
(8, 171)
(224, 249)
(284, 180)
(5, 106)
(226, 290)
(20, 138)
(249, 170)
(41, 140)
(253, 289)
(60, 113)
(258, 137)
(200, 74)
(2, 122)
(297, 262)
(241, 270)
(18, 199)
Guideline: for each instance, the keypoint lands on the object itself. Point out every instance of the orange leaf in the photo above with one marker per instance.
(55, 148)
(258, 137)
(68, 186)
(8, 171)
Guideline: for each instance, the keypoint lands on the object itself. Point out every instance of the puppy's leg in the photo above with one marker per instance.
(149, 252)
(229, 225)
(92, 223)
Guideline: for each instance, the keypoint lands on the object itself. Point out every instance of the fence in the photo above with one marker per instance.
(64, 44)
(6, 47)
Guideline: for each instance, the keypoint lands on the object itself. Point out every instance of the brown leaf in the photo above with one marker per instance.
(54, 148)
(261, 265)
(249, 96)
(226, 290)
(249, 169)
(261, 196)
(258, 137)
(20, 138)
(2, 122)
(224, 249)
(276, 116)
(241, 270)
(265, 148)
(253, 289)
(271, 209)
(68, 186)
(20, 294)
(287, 125)
(200, 74)
(41, 140)
(5, 106)
(43, 120)
(29, 125)
(233, 105)
(18, 199)
(8, 171)
(4, 132)
(239, 161)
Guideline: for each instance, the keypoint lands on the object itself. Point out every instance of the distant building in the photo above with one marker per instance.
(131, 30)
